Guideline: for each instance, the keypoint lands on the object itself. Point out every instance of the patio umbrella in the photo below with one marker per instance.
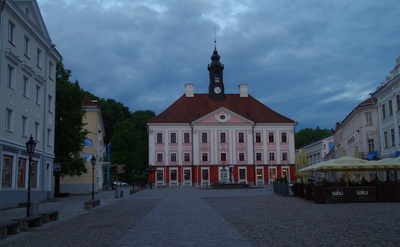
(344, 163)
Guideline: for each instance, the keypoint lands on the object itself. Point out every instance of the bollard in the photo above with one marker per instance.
(121, 193)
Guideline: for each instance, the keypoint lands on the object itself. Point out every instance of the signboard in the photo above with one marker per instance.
(57, 167)
(338, 194)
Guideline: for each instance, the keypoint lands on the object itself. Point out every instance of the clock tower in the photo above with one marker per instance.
(216, 90)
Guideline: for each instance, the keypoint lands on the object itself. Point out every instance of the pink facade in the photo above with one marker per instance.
(202, 139)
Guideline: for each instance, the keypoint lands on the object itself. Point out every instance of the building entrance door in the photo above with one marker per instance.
(223, 175)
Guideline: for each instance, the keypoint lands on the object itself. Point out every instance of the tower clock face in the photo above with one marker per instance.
(217, 90)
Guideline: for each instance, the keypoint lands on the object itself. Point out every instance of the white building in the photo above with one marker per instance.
(317, 151)
(388, 103)
(27, 102)
(358, 135)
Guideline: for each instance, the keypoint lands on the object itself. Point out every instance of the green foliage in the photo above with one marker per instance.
(69, 129)
(308, 136)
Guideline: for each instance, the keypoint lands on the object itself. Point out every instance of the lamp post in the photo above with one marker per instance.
(93, 160)
(30, 148)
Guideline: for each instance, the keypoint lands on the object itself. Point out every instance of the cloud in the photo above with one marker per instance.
(312, 61)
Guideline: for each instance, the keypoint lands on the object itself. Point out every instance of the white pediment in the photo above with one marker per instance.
(222, 116)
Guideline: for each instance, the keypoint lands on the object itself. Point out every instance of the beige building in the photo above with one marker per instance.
(94, 145)
(27, 102)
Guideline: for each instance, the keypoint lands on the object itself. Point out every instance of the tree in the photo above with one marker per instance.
(123, 145)
(69, 128)
(307, 136)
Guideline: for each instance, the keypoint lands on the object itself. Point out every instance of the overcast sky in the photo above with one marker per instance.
(311, 61)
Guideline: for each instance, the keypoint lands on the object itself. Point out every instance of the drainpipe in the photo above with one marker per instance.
(192, 127)
(254, 160)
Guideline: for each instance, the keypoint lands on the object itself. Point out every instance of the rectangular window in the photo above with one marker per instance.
(204, 174)
(22, 165)
(259, 156)
(186, 157)
(241, 156)
(6, 178)
(204, 137)
(271, 156)
(159, 138)
(159, 157)
(10, 76)
(258, 137)
(49, 137)
(385, 136)
(371, 145)
(223, 156)
(50, 102)
(38, 58)
(222, 137)
(271, 137)
(368, 117)
(284, 136)
(51, 67)
(38, 94)
(397, 102)
(11, 31)
(37, 131)
(186, 138)
(173, 137)
(383, 111)
(9, 120)
(204, 157)
(284, 156)
(242, 174)
(26, 87)
(173, 157)
(24, 131)
(392, 137)
(174, 175)
(241, 137)
(390, 108)
(160, 175)
(26, 46)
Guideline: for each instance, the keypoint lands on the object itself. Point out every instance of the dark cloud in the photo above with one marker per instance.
(312, 61)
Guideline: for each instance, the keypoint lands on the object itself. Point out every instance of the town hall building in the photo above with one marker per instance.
(215, 137)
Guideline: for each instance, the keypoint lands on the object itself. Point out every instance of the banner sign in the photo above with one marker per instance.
(88, 142)
(337, 194)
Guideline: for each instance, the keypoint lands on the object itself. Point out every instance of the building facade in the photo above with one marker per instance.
(27, 102)
(93, 146)
(317, 151)
(358, 134)
(202, 139)
(388, 107)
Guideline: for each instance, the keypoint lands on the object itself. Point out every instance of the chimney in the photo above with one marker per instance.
(244, 90)
(189, 88)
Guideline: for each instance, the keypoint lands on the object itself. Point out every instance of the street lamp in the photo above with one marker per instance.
(30, 148)
(93, 160)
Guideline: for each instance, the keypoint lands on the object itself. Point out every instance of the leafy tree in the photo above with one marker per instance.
(69, 128)
(123, 144)
(140, 119)
(308, 136)
(113, 112)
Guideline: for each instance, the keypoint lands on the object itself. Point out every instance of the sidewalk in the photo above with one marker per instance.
(67, 207)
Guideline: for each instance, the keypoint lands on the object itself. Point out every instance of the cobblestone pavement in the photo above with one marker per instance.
(205, 217)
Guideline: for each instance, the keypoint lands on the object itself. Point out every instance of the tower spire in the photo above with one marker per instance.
(215, 39)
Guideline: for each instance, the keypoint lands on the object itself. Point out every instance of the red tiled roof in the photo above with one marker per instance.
(89, 102)
(186, 109)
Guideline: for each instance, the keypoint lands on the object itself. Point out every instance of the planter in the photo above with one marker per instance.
(285, 189)
(387, 192)
(319, 194)
(295, 189)
(309, 191)
(301, 190)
